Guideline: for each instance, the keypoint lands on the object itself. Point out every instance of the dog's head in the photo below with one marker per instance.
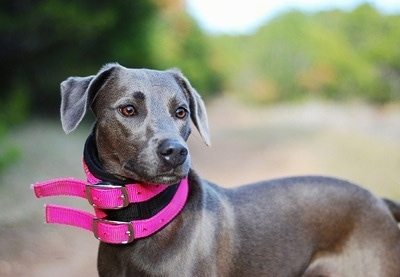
(143, 120)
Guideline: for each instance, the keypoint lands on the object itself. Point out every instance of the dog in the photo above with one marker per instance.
(296, 226)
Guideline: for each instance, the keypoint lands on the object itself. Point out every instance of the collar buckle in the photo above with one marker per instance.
(115, 232)
(98, 196)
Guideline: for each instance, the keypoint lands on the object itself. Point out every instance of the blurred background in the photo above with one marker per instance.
(292, 87)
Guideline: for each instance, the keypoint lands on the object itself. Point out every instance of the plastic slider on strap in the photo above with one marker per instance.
(115, 232)
(107, 196)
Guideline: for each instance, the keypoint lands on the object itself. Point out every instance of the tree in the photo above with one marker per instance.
(177, 41)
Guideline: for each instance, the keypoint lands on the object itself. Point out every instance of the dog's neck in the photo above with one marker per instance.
(135, 211)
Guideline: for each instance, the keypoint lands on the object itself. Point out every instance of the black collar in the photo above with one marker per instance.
(91, 158)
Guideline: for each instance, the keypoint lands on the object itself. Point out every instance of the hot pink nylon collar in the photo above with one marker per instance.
(109, 197)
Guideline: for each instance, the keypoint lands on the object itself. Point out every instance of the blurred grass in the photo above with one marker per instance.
(352, 141)
(370, 160)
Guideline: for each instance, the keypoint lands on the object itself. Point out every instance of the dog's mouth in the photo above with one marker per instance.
(146, 175)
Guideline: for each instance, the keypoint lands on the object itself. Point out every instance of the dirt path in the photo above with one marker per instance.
(353, 142)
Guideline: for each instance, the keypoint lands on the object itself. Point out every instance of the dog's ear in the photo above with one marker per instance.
(78, 93)
(198, 112)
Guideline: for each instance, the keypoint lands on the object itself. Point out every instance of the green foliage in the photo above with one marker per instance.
(9, 152)
(332, 54)
(13, 112)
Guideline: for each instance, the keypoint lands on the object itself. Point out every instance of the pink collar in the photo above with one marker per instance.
(107, 197)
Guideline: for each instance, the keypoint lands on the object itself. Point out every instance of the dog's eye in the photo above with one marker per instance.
(128, 110)
(181, 113)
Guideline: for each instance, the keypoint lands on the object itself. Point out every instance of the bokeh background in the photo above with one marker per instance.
(302, 92)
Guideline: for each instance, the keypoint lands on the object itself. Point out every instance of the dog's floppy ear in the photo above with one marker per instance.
(198, 112)
(77, 94)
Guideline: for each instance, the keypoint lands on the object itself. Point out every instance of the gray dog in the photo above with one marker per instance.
(300, 226)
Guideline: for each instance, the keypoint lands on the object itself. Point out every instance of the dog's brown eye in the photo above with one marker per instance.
(181, 113)
(128, 110)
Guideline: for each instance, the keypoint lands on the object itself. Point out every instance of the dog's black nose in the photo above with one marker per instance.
(173, 152)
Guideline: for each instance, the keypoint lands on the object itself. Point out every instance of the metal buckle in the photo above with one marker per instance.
(129, 233)
(124, 195)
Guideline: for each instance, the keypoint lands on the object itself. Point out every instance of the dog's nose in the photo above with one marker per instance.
(173, 152)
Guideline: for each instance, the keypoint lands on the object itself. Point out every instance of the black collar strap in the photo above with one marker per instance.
(92, 161)
(143, 210)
